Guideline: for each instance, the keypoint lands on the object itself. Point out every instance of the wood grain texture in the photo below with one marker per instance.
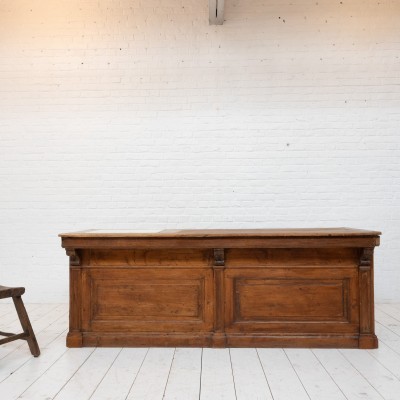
(171, 233)
(218, 288)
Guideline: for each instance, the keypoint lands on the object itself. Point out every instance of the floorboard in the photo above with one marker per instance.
(152, 377)
(184, 377)
(249, 377)
(216, 376)
(84, 382)
(118, 380)
(193, 373)
(315, 378)
(16, 358)
(57, 376)
(383, 381)
(388, 358)
(283, 379)
(30, 371)
(349, 380)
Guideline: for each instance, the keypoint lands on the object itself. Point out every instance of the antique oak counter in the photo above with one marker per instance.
(217, 288)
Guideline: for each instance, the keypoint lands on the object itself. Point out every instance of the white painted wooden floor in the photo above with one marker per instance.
(206, 374)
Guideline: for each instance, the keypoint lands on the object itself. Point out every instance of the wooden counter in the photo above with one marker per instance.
(222, 288)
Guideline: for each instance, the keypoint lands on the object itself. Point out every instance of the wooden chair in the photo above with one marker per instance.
(28, 335)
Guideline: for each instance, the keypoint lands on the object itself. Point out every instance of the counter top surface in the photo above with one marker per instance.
(215, 233)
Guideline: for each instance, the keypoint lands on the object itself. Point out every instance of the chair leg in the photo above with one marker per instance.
(26, 325)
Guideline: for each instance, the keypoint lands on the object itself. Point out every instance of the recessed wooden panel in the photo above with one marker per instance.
(148, 299)
(290, 300)
(245, 258)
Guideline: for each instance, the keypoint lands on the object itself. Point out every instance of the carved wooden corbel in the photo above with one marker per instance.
(74, 258)
(366, 258)
(219, 257)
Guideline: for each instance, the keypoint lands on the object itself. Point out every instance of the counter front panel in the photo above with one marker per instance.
(264, 288)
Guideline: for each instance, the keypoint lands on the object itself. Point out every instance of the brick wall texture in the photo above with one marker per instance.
(139, 114)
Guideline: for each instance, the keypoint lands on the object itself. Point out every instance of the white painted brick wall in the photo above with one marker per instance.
(138, 114)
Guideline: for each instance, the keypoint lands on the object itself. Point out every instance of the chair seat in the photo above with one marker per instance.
(6, 291)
